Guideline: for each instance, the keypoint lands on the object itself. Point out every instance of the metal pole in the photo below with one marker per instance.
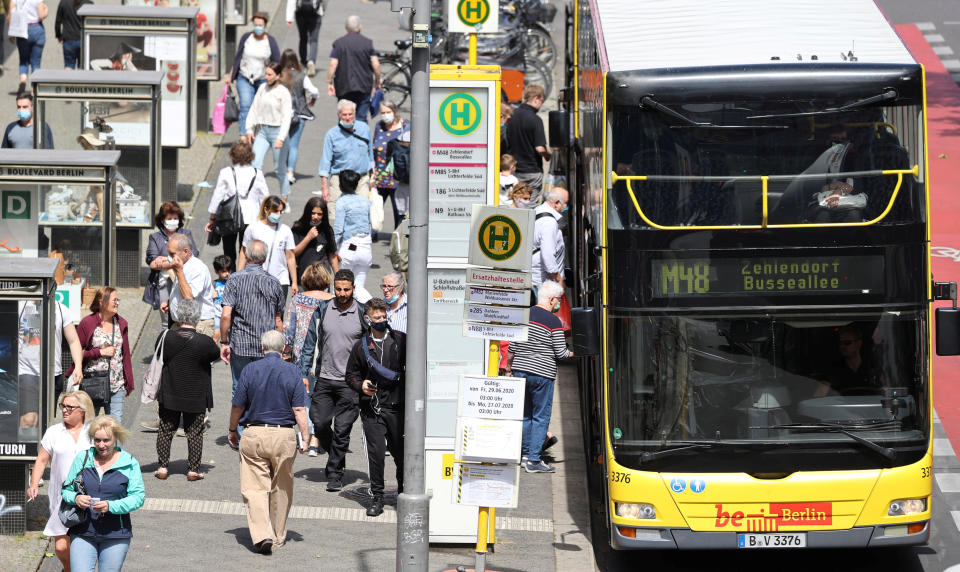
(482, 520)
(413, 504)
(473, 50)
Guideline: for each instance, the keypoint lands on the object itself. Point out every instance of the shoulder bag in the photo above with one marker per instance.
(229, 218)
(231, 109)
(97, 385)
(70, 514)
(151, 378)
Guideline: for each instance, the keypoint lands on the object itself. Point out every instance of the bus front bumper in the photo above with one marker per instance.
(686, 539)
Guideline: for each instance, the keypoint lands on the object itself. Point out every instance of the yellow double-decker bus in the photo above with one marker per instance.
(750, 236)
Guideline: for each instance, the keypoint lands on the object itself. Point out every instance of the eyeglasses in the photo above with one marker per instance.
(69, 408)
(389, 286)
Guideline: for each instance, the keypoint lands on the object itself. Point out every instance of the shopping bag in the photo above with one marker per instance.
(376, 210)
(219, 123)
(231, 109)
(564, 313)
(151, 378)
(18, 24)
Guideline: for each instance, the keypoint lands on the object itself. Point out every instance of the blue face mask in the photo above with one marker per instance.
(392, 300)
(274, 217)
(23, 114)
(258, 30)
(565, 209)
(347, 125)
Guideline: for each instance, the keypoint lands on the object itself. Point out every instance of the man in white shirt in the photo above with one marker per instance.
(192, 282)
(549, 251)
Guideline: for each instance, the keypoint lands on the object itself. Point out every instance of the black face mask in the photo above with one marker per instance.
(378, 326)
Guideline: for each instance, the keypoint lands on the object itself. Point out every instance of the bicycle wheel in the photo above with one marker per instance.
(538, 73)
(394, 81)
(537, 43)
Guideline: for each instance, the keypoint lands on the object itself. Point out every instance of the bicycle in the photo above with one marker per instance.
(395, 73)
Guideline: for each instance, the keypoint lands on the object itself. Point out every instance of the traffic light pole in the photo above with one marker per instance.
(413, 503)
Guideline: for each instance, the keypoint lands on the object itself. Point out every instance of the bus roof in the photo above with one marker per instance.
(654, 34)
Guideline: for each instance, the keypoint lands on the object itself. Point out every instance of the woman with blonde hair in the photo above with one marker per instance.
(113, 488)
(107, 368)
(519, 196)
(315, 284)
(59, 446)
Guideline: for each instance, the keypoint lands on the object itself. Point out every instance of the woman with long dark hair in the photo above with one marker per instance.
(314, 237)
(303, 94)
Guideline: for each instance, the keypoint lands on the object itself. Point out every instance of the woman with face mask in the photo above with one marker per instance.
(268, 124)
(391, 126)
(255, 50)
(303, 94)
(169, 219)
(281, 262)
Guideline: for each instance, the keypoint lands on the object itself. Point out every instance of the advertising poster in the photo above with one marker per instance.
(208, 30)
(18, 223)
(9, 387)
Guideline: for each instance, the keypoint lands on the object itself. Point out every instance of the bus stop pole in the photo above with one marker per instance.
(473, 49)
(413, 503)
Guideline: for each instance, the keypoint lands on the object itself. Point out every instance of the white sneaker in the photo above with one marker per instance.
(311, 69)
(291, 178)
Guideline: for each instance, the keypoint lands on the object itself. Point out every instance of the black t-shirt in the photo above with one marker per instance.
(842, 378)
(318, 250)
(524, 134)
(354, 70)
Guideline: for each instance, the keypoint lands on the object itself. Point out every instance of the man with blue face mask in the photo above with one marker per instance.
(19, 134)
(346, 146)
(549, 252)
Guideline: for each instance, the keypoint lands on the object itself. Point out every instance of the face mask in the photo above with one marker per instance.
(171, 224)
(23, 114)
(346, 125)
(394, 299)
(522, 202)
(170, 259)
(565, 209)
(258, 30)
(274, 217)
(378, 326)
(387, 118)
(556, 308)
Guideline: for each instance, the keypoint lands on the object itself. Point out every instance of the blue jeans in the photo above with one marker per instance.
(537, 406)
(71, 53)
(31, 48)
(266, 136)
(291, 145)
(85, 553)
(245, 92)
(115, 407)
(363, 109)
(237, 363)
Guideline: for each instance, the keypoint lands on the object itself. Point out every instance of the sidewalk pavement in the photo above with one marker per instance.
(202, 524)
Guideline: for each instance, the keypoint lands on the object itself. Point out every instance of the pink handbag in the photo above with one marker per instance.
(219, 123)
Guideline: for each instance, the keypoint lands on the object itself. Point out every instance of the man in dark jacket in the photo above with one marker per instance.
(375, 369)
(354, 69)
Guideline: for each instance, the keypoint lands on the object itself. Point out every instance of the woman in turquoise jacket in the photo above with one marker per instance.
(114, 488)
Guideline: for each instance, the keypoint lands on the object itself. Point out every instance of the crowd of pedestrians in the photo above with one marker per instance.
(310, 350)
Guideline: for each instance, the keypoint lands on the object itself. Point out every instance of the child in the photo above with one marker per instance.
(507, 179)
(221, 265)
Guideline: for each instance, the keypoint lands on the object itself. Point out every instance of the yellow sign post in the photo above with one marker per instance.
(473, 17)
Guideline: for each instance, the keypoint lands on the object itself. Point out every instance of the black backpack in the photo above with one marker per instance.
(308, 5)
(229, 218)
(401, 160)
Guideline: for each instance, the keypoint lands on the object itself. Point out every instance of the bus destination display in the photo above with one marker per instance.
(776, 275)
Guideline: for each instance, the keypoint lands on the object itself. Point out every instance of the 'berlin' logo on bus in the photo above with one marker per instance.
(778, 514)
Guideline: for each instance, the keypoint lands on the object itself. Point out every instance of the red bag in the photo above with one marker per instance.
(564, 313)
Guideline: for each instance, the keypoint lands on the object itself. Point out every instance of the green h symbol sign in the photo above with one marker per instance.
(498, 234)
(473, 10)
(460, 113)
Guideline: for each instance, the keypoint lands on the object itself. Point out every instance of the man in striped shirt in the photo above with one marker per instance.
(253, 304)
(536, 361)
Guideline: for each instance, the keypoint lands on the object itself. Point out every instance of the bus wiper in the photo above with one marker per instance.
(648, 101)
(885, 95)
(886, 452)
(648, 456)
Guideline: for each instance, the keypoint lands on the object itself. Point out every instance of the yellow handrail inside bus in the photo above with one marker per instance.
(764, 179)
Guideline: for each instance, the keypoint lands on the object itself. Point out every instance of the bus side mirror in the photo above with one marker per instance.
(585, 325)
(560, 128)
(948, 331)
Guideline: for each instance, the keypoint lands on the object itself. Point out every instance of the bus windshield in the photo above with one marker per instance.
(762, 382)
(705, 162)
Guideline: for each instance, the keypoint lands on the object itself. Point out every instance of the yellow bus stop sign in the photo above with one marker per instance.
(473, 12)
(501, 237)
(460, 114)
(474, 16)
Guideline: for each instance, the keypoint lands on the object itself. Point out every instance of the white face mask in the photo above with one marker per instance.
(171, 224)
(387, 118)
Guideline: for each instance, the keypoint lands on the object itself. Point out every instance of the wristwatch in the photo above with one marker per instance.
(234, 430)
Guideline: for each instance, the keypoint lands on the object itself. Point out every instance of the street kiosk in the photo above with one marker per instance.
(26, 377)
(67, 202)
(131, 38)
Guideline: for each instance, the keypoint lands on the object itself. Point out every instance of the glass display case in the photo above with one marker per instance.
(26, 355)
(99, 111)
(70, 202)
(209, 30)
(154, 38)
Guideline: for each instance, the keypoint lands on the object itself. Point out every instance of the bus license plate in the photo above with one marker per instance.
(780, 540)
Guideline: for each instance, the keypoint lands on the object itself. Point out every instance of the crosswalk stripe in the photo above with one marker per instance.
(943, 50)
(933, 38)
(948, 482)
(926, 26)
(942, 447)
(956, 517)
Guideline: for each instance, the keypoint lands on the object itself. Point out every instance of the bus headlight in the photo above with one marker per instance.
(904, 507)
(636, 510)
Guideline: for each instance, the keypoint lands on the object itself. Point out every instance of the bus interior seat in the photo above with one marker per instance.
(748, 199)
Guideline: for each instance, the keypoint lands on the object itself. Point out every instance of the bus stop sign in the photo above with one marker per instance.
(501, 237)
(474, 16)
